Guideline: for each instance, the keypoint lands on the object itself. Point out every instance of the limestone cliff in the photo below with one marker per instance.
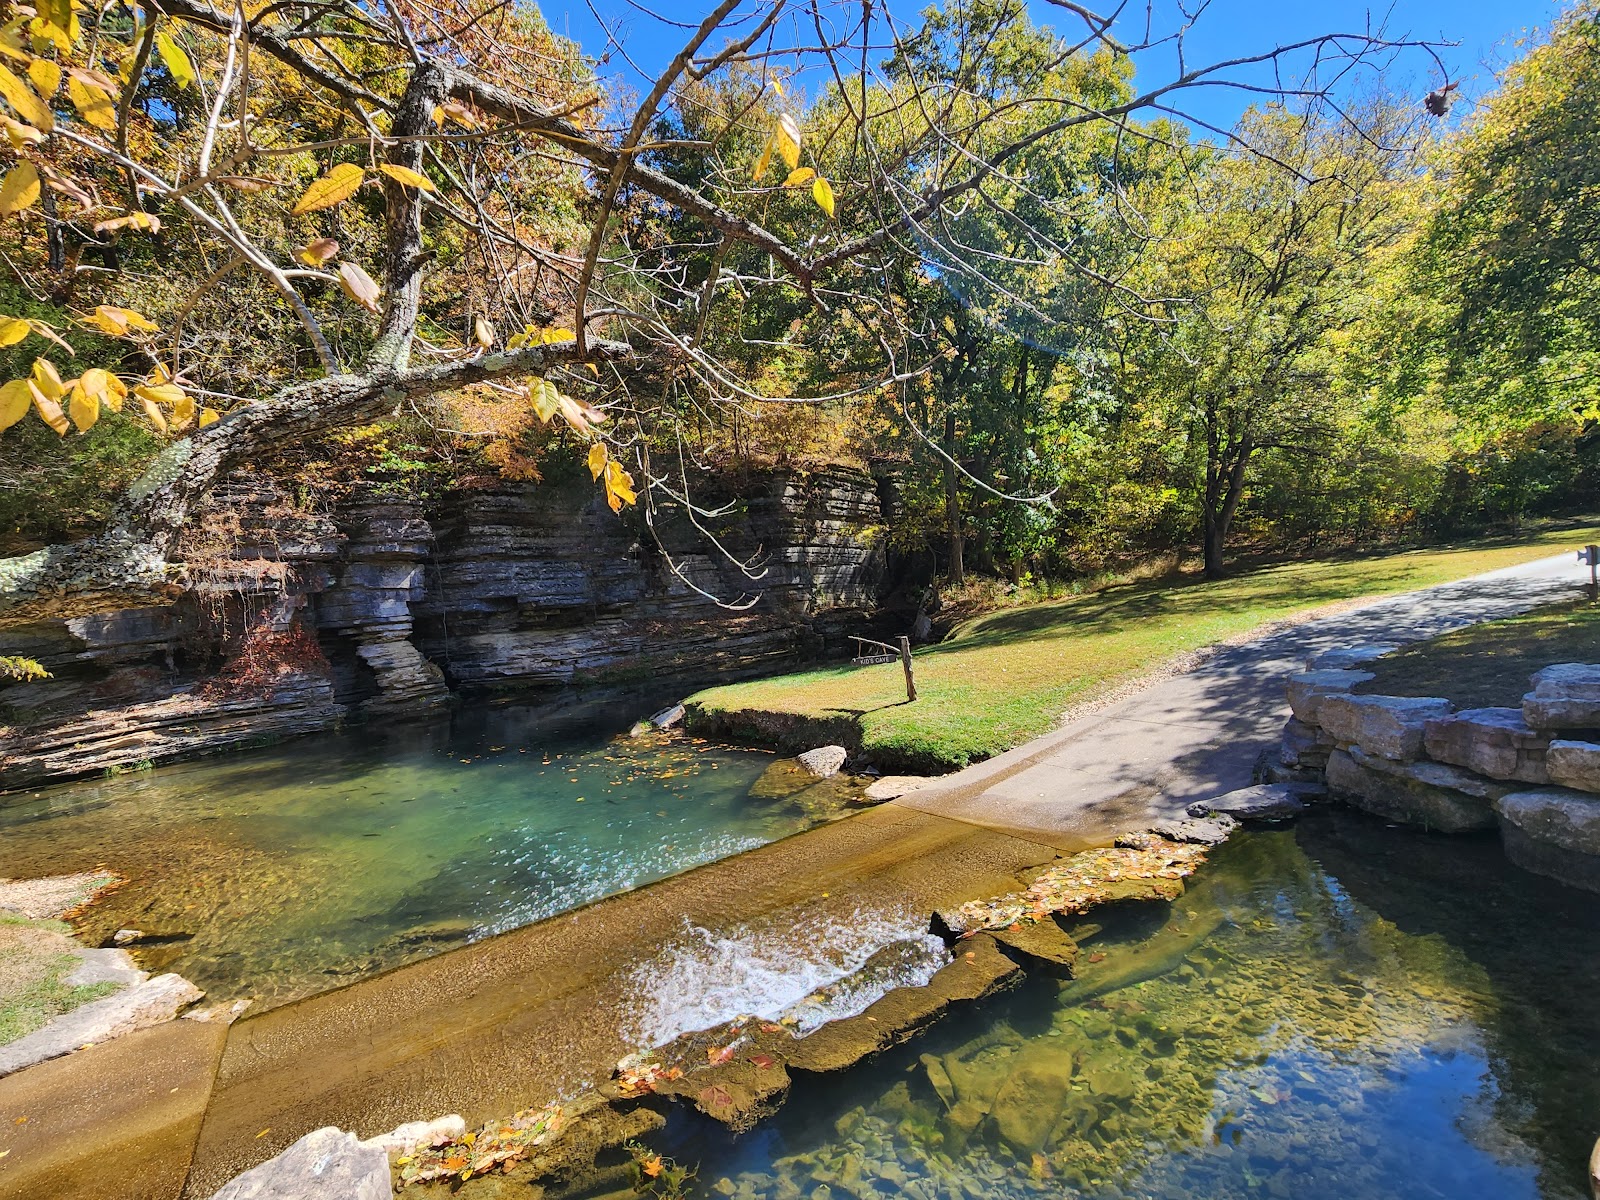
(383, 606)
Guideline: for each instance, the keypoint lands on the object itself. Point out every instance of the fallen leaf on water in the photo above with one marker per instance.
(264, 1132)
(1097, 957)
(651, 1166)
(765, 1061)
(716, 1096)
(715, 1055)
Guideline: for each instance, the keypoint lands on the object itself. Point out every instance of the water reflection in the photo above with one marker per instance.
(1341, 1010)
(279, 873)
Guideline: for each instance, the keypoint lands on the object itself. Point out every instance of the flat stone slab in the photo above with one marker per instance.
(1195, 831)
(326, 1164)
(1400, 793)
(147, 1003)
(1343, 658)
(1574, 764)
(1495, 742)
(1553, 832)
(823, 762)
(1564, 696)
(892, 787)
(1263, 802)
(1308, 689)
(1391, 726)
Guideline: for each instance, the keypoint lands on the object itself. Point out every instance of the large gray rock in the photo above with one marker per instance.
(824, 761)
(1564, 696)
(150, 1002)
(1391, 726)
(1263, 802)
(1308, 689)
(1495, 742)
(1201, 831)
(326, 1164)
(1554, 832)
(1304, 746)
(1431, 795)
(1346, 657)
(1575, 764)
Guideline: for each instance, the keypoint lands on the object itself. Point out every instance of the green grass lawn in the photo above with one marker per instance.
(1001, 679)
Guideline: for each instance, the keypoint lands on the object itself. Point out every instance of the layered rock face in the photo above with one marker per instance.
(383, 607)
(1416, 761)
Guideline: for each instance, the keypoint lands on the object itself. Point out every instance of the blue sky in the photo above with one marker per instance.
(1483, 29)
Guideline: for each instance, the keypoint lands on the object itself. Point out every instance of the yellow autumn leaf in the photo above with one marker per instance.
(82, 407)
(822, 193)
(579, 415)
(209, 416)
(20, 134)
(317, 253)
(116, 391)
(137, 220)
(161, 393)
(176, 61)
(359, 286)
(15, 400)
(765, 160)
(45, 75)
(619, 486)
(19, 189)
(93, 105)
(152, 412)
(454, 110)
(799, 177)
(116, 322)
(25, 100)
(48, 379)
(406, 177)
(13, 330)
(788, 136)
(597, 459)
(337, 186)
(183, 411)
(546, 399)
(49, 409)
(45, 331)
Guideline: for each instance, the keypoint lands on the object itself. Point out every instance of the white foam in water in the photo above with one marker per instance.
(809, 967)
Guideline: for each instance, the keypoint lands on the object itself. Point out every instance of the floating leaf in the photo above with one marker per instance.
(597, 459)
(822, 193)
(25, 100)
(716, 1096)
(788, 136)
(19, 189)
(454, 110)
(318, 252)
(800, 176)
(15, 400)
(175, 60)
(359, 286)
(580, 415)
(406, 177)
(93, 104)
(337, 186)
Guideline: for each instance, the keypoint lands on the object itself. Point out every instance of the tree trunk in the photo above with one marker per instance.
(952, 501)
(1225, 481)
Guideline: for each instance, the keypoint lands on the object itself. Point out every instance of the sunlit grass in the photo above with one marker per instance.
(1001, 679)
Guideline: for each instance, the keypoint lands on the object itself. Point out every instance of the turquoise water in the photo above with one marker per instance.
(1336, 1011)
(279, 873)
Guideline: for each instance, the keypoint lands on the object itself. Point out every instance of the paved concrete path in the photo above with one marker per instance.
(1195, 735)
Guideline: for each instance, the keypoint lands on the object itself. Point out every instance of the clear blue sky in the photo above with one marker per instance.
(1484, 29)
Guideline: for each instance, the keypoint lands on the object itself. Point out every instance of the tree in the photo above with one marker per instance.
(181, 123)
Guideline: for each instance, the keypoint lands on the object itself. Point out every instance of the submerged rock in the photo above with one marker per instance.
(326, 1164)
(1431, 795)
(1043, 944)
(824, 761)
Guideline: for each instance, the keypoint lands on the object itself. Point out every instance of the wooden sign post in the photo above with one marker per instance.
(887, 654)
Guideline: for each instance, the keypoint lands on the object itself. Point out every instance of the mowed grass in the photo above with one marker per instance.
(1001, 679)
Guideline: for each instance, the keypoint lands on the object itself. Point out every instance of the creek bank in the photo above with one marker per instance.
(740, 1072)
(383, 606)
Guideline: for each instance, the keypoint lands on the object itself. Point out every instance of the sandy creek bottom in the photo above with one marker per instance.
(1338, 1010)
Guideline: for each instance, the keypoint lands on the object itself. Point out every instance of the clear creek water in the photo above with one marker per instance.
(1340, 1010)
(279, 873)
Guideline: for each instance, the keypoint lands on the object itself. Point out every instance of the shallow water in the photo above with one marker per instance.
(1340, 1010)
(299, 868)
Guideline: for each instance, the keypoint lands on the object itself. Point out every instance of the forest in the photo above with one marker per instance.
(1069, 327)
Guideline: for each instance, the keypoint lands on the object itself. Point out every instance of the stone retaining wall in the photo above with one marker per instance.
(1532, 772)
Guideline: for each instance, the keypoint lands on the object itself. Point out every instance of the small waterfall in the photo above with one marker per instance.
(811, 970)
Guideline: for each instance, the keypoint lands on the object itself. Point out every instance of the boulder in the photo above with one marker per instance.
(1343, 658)
(326, 1164)
(1042, 944)
(1264, 802)
(1424, 794)
(1197, 831)
(668, 717)
(1031, 1099)
(824, 761)
(150, 1002)
(1390, 726)
(1304, 745)
(1554, 832)
(1574, 765)
(1308, 689)
(1495, 742)
(1564, 696)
